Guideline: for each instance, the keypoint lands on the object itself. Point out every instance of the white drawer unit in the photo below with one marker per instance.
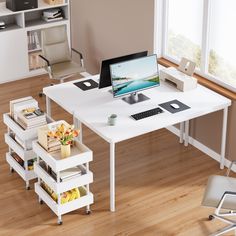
(79, 158)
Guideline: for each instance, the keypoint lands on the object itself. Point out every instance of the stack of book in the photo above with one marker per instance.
(65, 174)
(30, 118)
(33, 41)
(70, 173)
(26, 113)
(52, 15)
(19, 104)
(34, 60)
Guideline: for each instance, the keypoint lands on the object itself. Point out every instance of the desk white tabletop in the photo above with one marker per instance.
(93, 107)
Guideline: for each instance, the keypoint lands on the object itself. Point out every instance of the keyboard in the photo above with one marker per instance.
(145, 114)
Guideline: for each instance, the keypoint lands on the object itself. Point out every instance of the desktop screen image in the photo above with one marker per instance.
(134, 75)
(105, 76)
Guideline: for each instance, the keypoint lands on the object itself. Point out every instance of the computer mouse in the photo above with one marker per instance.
(87, 84)
(174, 105)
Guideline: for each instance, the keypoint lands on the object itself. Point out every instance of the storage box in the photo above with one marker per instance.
(16, 5)
(49, 144)
(54, 2)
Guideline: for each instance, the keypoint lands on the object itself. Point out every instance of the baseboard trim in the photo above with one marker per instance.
(214, 155)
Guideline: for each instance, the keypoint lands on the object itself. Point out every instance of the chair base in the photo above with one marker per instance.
(232, 225)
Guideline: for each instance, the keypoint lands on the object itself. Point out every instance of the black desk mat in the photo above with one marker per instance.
(82, 86)
(169, 108)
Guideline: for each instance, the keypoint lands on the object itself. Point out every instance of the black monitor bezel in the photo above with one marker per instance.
(105, 75)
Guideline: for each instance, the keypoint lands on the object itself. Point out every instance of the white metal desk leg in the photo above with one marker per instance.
(223, 138)
(186, 138)
(78, 125)
(75, 122)
(112, 177)
(81, 131)
(48, 106)
(181, 139)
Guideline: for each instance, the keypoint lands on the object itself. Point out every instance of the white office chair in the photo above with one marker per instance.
(220, 194)
(57, 54)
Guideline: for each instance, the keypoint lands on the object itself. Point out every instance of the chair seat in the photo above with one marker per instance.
(216, 187)
(65, 69)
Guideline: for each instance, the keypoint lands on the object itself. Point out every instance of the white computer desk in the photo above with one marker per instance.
(93, 107)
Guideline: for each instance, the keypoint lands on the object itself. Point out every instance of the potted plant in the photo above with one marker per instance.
(64, 134)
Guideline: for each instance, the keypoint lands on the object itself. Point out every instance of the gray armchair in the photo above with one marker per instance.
(220, 194)
(57, 54)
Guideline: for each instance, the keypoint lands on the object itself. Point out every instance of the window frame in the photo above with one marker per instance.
(161, 39)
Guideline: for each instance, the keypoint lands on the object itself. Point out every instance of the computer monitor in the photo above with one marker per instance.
(105, 76)
(133, 76)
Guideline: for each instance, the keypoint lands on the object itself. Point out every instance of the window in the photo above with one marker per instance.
(185, 30)
(202, 31)
(222, 41)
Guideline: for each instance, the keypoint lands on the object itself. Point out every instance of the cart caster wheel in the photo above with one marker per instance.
(12, 170)
(41, 202)
(40, 95)
(211, 217)
(28, 188)
(60, 222)
(88, 212)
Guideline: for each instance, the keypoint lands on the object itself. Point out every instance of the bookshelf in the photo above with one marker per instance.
(23, 27)
(80, 158)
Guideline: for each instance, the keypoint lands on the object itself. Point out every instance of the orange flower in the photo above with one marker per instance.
(64, 134)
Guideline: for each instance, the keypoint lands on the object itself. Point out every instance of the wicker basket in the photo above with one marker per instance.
(54, 2)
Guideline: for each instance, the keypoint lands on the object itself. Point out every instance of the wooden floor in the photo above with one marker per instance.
(159, 185)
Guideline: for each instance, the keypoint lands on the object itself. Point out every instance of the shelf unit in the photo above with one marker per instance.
(15, 39)
(25, 153)
(80, 156)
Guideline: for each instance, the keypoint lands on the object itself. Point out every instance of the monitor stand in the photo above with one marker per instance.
(135, 98)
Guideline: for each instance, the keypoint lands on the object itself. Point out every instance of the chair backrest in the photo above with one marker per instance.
(55, 46)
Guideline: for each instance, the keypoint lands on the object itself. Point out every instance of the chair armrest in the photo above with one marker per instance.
(45, 59)
(81, 56)
(76, 51)
(224, 196)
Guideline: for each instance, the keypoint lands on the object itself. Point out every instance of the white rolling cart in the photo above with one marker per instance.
(25, 153)
(80, 156)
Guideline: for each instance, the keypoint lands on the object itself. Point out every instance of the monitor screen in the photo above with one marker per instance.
(105, 75)
(134, 75)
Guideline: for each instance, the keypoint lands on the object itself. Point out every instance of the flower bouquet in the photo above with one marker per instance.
(65, 134)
